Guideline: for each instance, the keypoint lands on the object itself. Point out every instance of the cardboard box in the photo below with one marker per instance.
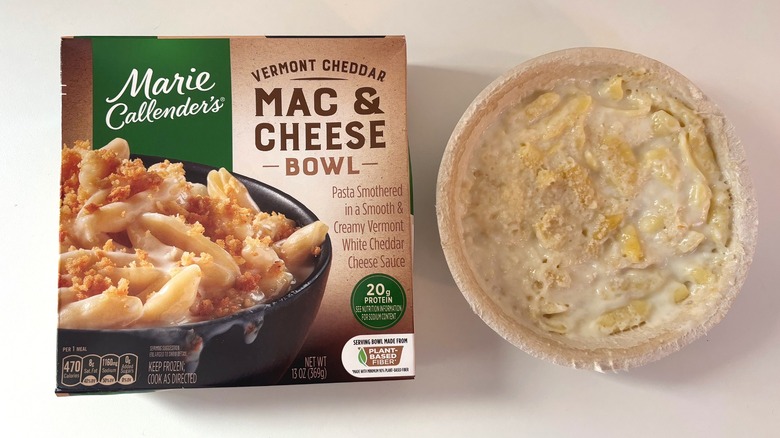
(166, 283)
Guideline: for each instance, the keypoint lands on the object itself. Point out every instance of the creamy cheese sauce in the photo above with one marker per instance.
(596, 208)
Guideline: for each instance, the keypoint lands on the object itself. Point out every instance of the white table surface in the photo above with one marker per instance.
(470, 382)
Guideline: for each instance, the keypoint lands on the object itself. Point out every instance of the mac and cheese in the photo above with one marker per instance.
(144, 247)
(597, 207)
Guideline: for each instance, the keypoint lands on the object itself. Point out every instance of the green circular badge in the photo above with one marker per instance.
(378, 301)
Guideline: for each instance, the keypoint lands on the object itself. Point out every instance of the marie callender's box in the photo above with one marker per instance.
(233, 211)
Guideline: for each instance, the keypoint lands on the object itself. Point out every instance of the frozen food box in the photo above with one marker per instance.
(234, 211)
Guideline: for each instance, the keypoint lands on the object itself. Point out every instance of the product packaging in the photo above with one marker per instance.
(234, 212)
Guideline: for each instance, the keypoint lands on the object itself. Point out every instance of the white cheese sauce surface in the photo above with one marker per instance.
(596, 208)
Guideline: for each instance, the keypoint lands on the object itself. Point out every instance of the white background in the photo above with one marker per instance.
(470, 382)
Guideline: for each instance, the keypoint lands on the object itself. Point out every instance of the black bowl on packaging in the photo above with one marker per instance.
(254, 346)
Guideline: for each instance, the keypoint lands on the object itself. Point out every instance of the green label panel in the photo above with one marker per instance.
(378, 301)
(167, 97)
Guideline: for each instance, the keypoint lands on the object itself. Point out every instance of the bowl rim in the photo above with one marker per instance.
(731, 159)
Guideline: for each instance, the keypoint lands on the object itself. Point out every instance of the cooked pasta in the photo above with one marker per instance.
(597, 207)
(143, 247)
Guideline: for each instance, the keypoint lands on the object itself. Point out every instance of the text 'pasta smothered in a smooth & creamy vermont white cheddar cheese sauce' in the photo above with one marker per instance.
(143, 247)
(597, 207)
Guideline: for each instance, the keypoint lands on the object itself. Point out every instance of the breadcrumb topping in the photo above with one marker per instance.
(116, 235)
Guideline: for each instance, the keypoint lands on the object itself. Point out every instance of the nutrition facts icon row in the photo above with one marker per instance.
(93, 369)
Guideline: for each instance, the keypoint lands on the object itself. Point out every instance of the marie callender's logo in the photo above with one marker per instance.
(193, 87)
(168, 97)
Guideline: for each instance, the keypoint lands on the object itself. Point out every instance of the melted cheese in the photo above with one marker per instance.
(596, 208)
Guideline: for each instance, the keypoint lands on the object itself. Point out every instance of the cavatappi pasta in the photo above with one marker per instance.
(144, 247)
(597, 207)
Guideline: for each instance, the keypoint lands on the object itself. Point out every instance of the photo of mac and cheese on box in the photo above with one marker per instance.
(143, 247)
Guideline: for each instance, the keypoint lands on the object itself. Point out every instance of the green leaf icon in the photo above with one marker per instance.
(362, 356)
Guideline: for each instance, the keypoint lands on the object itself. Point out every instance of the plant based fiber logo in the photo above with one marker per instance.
(168, 97)
(120, 114)
(380, 356)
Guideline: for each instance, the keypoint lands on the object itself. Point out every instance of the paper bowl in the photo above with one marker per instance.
(640, 346)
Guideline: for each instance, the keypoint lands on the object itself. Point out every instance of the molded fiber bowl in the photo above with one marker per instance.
(541, 74)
